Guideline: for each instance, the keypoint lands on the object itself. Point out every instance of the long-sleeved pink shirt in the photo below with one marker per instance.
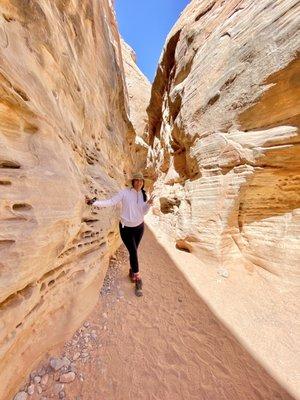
(133, 206)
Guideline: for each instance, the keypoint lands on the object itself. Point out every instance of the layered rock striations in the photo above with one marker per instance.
(64, 129)
(224, 134)
(139, 91)
(223, 140)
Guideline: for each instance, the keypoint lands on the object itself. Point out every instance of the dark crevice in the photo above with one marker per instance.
(6, 243)
(9, 164)
(8, 18)
(239, 217)
(21, 94)
(89, 221)
(226, 34)
(90, 161)
(30, 128)
(228, 83)
(213, 99)
(205, 11)
(18, 297)
(14, 219)
(22, 207)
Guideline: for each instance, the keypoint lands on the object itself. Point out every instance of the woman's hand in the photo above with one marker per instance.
(89, 201)
(150, 201)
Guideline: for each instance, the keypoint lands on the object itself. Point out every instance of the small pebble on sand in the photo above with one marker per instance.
(223, 272)
(44, 380)
(21, 396)
(30, 389)
(39, 389)
(37, 379)
(76, 356)
(68, 377)
(58, 387)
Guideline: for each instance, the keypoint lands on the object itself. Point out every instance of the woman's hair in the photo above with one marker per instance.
(143, 190)
(144, 195)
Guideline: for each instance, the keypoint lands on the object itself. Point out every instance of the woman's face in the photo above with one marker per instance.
(138, 184)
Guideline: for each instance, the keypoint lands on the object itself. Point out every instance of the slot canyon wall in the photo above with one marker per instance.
(139, 92)
(64, 129)
(224, 134)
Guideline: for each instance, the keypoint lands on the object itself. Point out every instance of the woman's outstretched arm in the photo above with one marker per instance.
(109, 202)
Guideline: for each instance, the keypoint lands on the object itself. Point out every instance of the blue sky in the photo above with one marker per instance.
(145, 24)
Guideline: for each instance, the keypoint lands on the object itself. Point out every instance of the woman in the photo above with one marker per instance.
(134, 207)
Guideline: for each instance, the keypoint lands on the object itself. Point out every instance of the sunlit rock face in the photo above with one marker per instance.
(224, 120)
(139, 91)
(64, 130)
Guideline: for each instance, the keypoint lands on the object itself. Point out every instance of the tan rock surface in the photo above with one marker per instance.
(224, 134)
(139, 91)
(63, 133)
(224, 119)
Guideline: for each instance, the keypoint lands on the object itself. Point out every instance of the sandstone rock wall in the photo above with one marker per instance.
(139, 91)
(224, 134)
(64, 129)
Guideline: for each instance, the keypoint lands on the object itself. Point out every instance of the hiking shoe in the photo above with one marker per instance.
(138, 287)
(131, 275)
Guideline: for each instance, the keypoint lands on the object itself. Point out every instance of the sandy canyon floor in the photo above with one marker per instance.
(181, 340)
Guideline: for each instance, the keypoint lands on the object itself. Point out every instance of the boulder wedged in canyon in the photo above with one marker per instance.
(139, 91)
(223, 128)
(64, 131)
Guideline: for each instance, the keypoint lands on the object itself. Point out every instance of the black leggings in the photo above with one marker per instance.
(131, 237)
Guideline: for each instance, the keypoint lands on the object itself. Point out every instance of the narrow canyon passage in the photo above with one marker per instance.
(216, 137)
(167, 345)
